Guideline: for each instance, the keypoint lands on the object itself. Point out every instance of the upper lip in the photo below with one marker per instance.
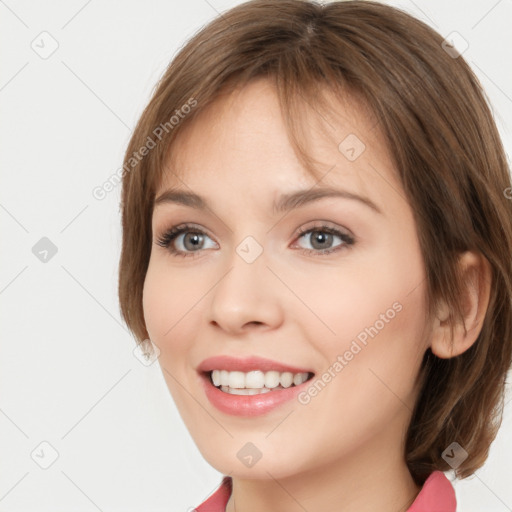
(247, 364)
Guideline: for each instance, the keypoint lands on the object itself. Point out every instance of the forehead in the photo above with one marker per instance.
(241, 142)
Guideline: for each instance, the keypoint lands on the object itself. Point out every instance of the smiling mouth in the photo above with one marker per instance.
(255, 382)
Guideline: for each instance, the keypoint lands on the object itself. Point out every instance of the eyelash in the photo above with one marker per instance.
(170, 235)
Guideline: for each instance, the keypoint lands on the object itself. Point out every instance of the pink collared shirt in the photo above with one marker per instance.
(436, 495)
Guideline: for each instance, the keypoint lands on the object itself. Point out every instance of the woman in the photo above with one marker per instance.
(342, 336)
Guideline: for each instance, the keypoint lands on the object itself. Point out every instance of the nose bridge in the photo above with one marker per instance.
(246, 293)
(246, 266)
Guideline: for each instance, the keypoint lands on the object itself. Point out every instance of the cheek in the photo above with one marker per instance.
(347, 299)
(371, 363)
(372, 314)
(156, 304)
(169, 299)
(393, 326)
(169, 303)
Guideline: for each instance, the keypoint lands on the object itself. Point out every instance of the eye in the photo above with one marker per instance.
(321, 238)
(193, 240)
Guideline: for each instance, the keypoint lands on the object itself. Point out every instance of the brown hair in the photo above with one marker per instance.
(435, 117)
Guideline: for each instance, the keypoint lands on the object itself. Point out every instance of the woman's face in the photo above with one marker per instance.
(333, 286)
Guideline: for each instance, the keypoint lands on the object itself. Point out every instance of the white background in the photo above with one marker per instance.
(67, 372)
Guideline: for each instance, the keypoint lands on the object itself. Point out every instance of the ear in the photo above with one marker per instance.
(476, 276)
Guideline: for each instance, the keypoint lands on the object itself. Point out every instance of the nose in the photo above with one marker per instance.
(247, 296)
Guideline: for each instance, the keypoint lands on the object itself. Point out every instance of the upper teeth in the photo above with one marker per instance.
(257, 379)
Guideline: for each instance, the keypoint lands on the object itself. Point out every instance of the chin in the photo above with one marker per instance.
(246, 461)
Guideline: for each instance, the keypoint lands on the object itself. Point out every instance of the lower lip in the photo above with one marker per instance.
(249, 405)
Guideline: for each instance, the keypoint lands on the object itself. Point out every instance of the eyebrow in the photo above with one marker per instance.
(285, 203)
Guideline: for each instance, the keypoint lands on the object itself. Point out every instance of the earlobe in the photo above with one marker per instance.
(477, 277)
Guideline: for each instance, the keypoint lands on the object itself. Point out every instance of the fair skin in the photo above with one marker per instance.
(342, 451)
